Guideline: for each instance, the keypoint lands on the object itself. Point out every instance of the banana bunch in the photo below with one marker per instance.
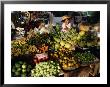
(23, 49)
(32, 49)
(18, 42)
(15, 51)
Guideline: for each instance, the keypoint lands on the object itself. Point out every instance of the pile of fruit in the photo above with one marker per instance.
(51, 53)
(46, 69)
(67, 40)
(87, 39)
(69, 63)
(22, 48)
(21, 69)
(32, 44)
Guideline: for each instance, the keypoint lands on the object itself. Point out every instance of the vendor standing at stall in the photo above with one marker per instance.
(66, 25)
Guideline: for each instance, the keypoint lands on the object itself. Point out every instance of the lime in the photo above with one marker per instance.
(23, 70)
(19, 69)
(23, 75)
(17, 65)
(17, 73)
(13, 70)
(23, 66)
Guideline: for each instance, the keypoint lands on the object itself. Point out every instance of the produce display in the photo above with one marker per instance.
(46, 69)
(85, 57)
(21, 69)
(20, 47)
(37, 54)
(87, 39)
(67, 40)
(69, 63)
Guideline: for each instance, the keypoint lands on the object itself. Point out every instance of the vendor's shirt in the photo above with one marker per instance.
(66, 27)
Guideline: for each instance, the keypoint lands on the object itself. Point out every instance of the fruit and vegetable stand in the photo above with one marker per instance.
(56, 54)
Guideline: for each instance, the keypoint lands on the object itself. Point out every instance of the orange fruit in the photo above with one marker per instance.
(69, 64)
(65, 66)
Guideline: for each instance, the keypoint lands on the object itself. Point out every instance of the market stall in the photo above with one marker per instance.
(39, 47)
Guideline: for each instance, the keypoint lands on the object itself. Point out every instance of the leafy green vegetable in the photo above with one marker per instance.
(85, 57)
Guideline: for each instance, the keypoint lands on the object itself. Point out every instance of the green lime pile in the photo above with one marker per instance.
(21, 69)
(46, 69)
